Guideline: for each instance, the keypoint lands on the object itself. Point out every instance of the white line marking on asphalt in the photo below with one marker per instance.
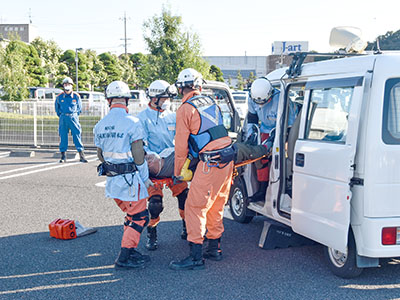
(30, 167)
(101, 184)
(5, 154)
(56, 286)
(44, 169)
(58, 272)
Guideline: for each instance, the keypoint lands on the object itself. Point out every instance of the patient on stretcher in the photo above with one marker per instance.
(162, 166)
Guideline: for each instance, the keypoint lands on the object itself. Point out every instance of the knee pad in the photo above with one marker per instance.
(182, 198)
(155, 206)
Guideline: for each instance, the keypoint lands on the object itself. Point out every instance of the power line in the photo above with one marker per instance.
(125, 38)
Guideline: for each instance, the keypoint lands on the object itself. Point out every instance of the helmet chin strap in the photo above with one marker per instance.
(158, 107)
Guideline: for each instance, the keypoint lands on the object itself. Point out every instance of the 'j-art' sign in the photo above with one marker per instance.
(286, 47)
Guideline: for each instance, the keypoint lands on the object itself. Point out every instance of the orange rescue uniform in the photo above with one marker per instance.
(176, 189)
(210, 186)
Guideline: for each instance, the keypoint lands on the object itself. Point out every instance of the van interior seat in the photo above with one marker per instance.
(292, 138)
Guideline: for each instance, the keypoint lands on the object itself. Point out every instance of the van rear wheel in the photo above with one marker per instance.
(343, 264)
(238, 202)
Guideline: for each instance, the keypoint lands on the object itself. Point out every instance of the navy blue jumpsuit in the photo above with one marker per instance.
(68, 107)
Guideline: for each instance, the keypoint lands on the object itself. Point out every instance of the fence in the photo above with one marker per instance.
(35, 123)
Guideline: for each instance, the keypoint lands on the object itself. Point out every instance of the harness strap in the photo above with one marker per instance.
(144, 215)
(112, 170)
(214, 158)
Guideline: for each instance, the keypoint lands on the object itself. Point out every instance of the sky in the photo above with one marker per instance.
(225, 28)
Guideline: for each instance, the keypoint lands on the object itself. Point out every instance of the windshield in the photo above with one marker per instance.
(84, 96)
(134, 95)
(239, 98)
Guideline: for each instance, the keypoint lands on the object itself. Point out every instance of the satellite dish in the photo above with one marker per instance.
(348, 38)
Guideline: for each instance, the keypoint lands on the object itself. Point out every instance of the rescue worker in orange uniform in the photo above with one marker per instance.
(119, 141)
(159, 124)
(200, 132)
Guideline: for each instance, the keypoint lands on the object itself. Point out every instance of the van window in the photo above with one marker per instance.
(222, 99)
(391, 112)
(327, 117)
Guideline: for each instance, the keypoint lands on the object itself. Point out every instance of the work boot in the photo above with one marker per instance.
(213, 250)
(194, 261)
(82, 157)
(260, 194)
(152, 243)
(63, 157)
(184, 232)
(134, 254)
(126, 261)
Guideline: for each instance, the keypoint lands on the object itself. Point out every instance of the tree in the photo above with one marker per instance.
(230, 82)
(217, 73)
(50, 54)
(13, 77)
(240, 81)
(172, 49)
(96, 73)
(128, 71)
(33, 66)
(250, 80)
(112, 68)
(142, 69)
(389, 41)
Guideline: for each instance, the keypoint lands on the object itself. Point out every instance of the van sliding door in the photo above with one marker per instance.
(323, 162)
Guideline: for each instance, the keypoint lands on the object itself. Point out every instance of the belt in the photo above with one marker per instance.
(111, 170)
(68, 115)
(220, 156)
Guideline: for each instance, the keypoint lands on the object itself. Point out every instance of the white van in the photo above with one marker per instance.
(137, 102)
(334, 174)
(43, 93)
(92, 100)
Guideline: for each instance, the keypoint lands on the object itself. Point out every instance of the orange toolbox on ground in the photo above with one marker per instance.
(63, 229)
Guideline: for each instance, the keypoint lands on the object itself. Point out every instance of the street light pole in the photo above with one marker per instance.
(76, 66)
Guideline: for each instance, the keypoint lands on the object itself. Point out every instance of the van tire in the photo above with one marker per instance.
(238, 202)
(341, 264)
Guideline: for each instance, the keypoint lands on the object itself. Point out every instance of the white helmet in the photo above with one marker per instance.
(189, 78)
(161, 89)
(261, 90)
(67, 80)
(118, 89)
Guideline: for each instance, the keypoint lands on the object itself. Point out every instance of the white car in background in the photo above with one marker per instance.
(240, 98)
(137, 102)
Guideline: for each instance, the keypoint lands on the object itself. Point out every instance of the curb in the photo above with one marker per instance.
(16, 153)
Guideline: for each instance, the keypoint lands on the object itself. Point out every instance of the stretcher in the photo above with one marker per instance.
(168, 181)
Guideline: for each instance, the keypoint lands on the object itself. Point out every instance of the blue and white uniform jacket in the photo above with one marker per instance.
(114, 134)
(267, 113)
(159, 129)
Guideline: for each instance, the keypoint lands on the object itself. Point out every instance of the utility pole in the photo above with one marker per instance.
(125, 38)
(30, 16)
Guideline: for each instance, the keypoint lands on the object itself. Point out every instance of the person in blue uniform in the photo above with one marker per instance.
(159, 124)
(262, 112)
(68, 106)
(119, 141)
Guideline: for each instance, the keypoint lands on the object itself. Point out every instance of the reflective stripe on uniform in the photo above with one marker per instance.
(117, 155)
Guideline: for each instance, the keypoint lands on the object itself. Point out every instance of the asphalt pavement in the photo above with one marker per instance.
(36, 190)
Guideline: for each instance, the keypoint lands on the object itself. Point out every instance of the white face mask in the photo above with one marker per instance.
(68, 87)
(166, 105)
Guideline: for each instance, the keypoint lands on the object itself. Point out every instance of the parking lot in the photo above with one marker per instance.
(36, 190)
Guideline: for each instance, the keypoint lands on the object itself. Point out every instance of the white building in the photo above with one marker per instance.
(26, 32)
(231, 65)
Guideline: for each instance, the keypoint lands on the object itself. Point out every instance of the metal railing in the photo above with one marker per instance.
(35, 123)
